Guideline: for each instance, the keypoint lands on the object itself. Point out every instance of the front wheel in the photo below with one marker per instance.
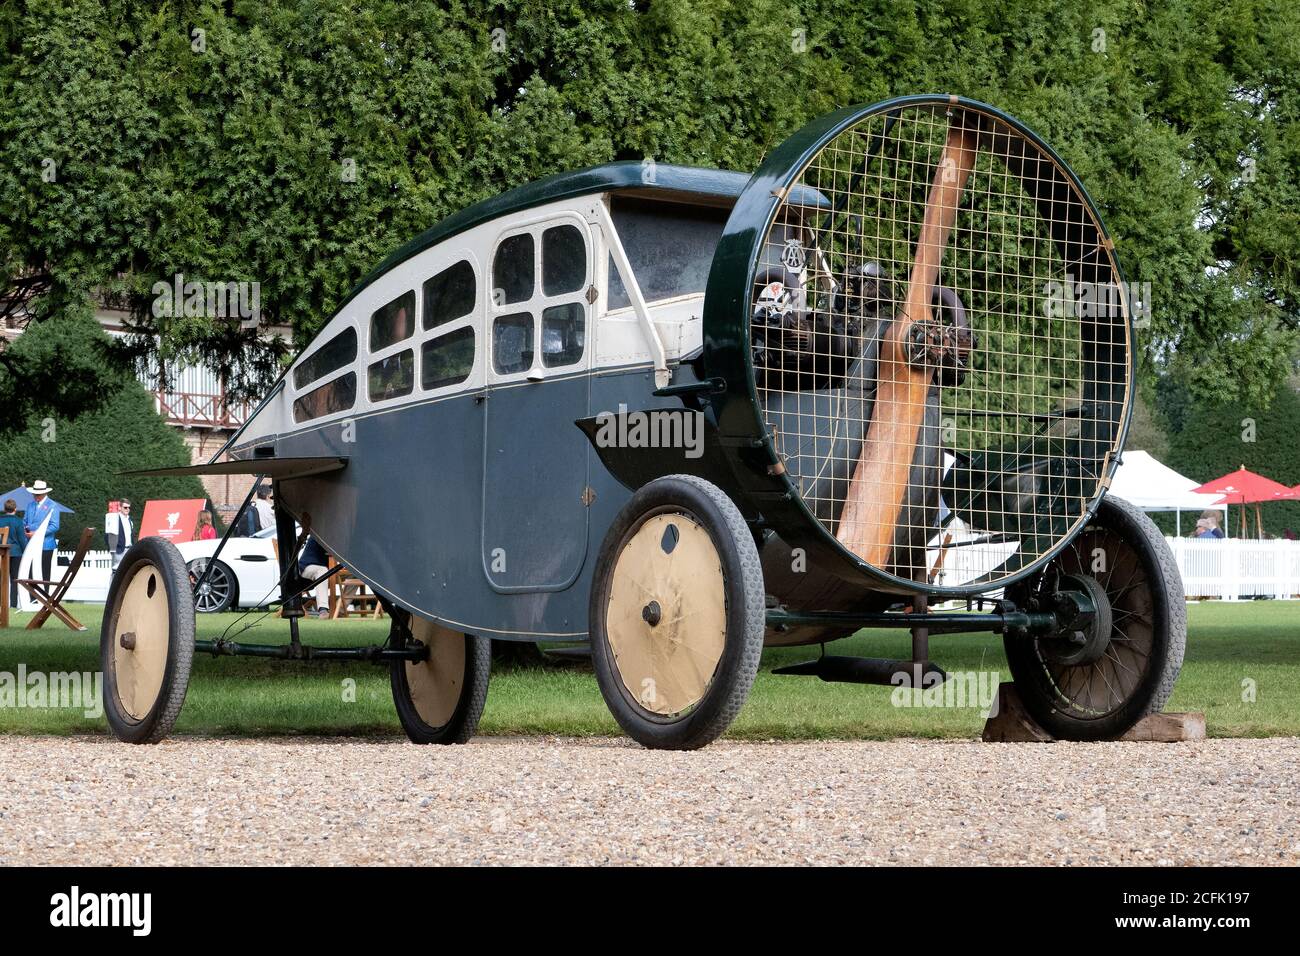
(676, 615)
(146, 644)
(440, 699)
(1101, 690)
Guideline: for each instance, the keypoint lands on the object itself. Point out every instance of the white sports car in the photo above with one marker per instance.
(246, 575)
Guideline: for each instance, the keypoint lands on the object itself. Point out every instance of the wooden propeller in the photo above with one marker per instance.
(880, 478)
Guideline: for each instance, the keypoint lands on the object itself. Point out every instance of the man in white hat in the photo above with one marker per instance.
(32, 518)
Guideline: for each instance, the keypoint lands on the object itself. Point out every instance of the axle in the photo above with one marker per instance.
(1077, 622)
(302, 652)
(935, 622)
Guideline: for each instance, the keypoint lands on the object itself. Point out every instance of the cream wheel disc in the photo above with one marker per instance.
(666, 620)
(146, 642)
(140, 642)
(437, 682)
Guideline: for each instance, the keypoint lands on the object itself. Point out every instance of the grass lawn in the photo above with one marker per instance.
(1228, 644)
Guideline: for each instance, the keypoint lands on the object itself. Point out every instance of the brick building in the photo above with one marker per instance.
(191, 399)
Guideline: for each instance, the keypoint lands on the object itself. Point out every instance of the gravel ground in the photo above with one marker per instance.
(546, 801)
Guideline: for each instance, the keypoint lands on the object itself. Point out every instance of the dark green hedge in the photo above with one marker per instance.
(86, 454)
(1217, 439)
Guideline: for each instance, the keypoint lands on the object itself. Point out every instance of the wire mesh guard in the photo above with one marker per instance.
(941, 344)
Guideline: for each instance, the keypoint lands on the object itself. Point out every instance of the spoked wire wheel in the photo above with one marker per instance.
(218, 591)
(1133, 670)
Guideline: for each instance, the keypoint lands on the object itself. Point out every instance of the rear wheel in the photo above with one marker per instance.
(219, 591)
(676, 615)
(1099, 690)
(146, 644)
(440, 699)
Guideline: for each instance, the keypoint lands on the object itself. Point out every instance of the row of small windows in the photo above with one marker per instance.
(450, 295)
(446, 360)
(514, 280)
(449, 359)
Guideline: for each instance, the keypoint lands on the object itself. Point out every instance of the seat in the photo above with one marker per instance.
(49, 594)
(351, 597)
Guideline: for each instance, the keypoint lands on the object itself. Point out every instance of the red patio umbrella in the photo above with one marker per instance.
(1244, 487)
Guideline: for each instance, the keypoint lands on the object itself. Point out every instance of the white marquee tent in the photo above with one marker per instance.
(1156, 487)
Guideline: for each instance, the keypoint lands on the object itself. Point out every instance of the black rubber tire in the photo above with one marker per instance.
(160, 557)
(463, 723)
(1118, 525)
(745, 613)
(232, 592)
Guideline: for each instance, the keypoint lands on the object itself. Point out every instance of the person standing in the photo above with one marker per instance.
(262, 505)
(205, 531)
(32, 518)
(16, 539)
(118, 531)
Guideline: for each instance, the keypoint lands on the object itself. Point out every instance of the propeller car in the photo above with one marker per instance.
(684, 414)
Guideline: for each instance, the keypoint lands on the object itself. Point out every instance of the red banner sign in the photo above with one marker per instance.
(175, 520)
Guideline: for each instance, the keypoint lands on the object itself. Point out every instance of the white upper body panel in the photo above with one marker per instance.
(386, 374)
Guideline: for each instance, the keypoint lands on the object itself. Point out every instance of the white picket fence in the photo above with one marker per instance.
(91, 582)
(1233, 569)
(1228, 569)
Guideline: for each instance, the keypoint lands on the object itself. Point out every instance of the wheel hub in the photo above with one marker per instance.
(1084, 620)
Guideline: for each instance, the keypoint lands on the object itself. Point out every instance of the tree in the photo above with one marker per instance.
(294, 144)
(82, 457)
(1146, 431)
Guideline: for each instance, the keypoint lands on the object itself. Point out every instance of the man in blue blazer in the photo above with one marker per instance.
(32, 519)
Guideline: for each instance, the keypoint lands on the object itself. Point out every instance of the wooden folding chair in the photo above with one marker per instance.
(50, 593)
(348, 589)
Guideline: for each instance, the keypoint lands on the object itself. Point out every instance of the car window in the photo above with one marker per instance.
(394, 322)
(512, 343)
(513, 270)
(330, 357)
(449, 295)
(564, 260)
(392, 377)
(337, 395)
(563, 332)
(670, 247)
(448, 359)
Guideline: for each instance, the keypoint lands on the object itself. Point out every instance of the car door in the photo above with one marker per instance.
(535, 461)
(256, 567)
